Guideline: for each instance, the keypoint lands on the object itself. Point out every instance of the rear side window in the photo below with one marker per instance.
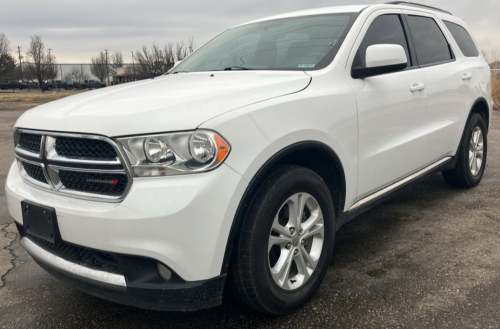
(431, 46)
(385, 29)
(463, 39)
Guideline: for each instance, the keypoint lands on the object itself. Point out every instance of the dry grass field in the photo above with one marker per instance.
(35, 97)
(495, 90)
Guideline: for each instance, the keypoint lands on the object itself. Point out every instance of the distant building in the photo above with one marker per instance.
(123, 75)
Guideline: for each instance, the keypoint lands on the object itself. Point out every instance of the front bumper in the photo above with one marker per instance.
(180, 221)
(147, 292)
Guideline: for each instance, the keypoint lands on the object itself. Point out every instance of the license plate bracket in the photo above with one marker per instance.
(40, 221)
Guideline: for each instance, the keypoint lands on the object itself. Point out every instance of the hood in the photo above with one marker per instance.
(168, 103)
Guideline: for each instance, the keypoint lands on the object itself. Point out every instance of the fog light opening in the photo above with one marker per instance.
(164, 272)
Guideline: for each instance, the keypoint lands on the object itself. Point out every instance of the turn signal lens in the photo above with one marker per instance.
(222, 148)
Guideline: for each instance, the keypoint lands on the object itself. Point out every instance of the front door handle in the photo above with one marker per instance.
(466, 76)
(417, 87)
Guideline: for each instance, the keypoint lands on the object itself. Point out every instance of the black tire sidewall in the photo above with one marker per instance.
(475, 121)
(278, 299)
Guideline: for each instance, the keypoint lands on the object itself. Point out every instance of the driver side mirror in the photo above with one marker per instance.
(381, 59)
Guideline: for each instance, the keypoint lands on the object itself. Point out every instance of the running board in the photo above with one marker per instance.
(395, 186)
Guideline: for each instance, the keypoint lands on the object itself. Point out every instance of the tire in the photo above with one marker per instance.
(464, 174)
(49, 88)
(253, 260)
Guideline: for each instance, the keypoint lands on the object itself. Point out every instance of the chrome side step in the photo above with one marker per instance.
(390, 188)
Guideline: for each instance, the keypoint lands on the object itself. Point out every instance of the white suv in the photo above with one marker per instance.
(236, 169)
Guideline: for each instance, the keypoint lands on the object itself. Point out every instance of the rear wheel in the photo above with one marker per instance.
(49, 88)
(285, 243)
(472, 155)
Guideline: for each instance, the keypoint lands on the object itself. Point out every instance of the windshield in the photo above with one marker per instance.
(297, 43)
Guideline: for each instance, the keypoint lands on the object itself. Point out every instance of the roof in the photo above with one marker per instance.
(353, 9)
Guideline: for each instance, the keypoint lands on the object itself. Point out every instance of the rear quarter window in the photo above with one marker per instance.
(463, 39)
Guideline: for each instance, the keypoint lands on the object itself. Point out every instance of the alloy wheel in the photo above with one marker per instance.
(296, 241)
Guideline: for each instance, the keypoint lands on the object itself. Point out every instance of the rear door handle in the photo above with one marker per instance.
(417, 87)
(466, 76)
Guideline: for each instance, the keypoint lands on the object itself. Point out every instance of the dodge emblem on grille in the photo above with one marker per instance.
(102, 181)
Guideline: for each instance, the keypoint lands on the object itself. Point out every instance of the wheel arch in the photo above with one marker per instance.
(481, 107)
(313, 155)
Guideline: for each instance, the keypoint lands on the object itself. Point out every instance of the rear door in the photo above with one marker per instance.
(449, 82)
(392, 109)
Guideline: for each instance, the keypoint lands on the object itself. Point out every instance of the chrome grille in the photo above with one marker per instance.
(82, 166)
(100, 183)
(34, 171)
(84, 148)
(30, 142)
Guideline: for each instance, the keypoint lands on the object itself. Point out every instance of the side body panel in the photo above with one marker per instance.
(324, 112)
(450, 96)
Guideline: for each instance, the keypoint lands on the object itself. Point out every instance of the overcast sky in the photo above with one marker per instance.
(76, 31)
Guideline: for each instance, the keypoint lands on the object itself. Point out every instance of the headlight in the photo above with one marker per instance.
(176, 153)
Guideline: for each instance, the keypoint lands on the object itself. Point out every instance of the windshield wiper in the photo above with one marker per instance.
(236, 68)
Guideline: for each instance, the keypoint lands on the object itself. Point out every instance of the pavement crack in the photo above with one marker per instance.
(7, 260)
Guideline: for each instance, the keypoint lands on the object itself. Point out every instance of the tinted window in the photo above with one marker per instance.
(385, 29)
(430, 44)
(296, 43)
(463, 39)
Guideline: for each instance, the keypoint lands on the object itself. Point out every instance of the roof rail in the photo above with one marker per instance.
(416, 5)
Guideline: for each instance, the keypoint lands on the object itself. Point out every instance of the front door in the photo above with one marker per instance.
(392, 110)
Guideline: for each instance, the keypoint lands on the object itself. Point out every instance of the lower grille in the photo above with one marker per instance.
(80, 255)
(34, 172)
(97, 183)
(30, 142)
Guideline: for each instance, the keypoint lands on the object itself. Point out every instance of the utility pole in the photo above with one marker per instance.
(20, 64)
(49, 51)
(133, 65)
(107, 68)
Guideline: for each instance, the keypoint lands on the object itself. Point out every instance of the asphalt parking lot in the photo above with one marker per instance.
(428, 258)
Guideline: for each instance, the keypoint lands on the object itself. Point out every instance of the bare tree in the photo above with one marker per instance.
(68, 77)
(180, 51)
(41, 64)
(7, 62)
(169, 57)
(150, 62)
(192, 46)
(156, 61)
(116, 60)
(100, 67)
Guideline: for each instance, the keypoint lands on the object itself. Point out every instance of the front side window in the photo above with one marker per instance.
(463, 39)
(385, 29)
(297, 43)
(431, 46)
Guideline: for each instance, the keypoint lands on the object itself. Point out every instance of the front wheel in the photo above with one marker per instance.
(49, 88)
(285, 242)
(472, 155)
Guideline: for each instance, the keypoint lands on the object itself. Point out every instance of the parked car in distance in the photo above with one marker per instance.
(13, 85)
(56, 84)
(33, 85)
(240, 165)
(92, 84)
